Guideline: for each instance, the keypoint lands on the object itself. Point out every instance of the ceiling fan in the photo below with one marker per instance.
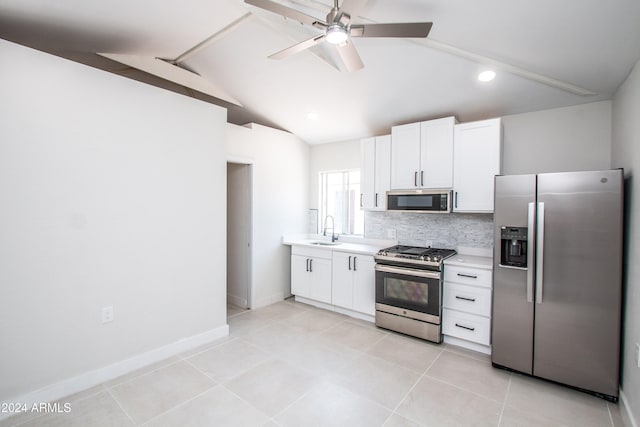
(338, 29)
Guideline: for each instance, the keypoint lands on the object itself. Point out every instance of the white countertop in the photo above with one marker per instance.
(474, 261)
(343, 244)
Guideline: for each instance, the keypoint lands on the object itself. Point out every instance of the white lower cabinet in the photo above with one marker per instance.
(311, 273)
(353, 282)
(466, 326)
(342, 280)
(466, 302)
(364, 285)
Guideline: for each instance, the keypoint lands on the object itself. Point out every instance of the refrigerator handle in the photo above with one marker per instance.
(540, 253)
(530, 250)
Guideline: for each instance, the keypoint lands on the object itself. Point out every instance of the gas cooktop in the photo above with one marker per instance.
(414, 255)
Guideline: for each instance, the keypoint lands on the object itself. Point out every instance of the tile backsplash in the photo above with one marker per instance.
(438, 230)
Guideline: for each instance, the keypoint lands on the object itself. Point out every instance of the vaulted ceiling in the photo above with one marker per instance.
(546, 54)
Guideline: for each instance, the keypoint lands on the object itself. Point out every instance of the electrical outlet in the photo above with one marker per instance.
(638, 355)
(391, 233)
(107, 314)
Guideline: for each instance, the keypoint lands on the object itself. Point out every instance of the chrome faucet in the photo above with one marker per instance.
(334, 236)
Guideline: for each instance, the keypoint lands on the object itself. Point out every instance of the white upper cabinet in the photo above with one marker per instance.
(436, 152)
(422, 155)
(405, 156)
(477, 156)
(375, 172)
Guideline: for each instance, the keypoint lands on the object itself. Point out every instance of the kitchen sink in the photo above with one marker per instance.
(323, 243)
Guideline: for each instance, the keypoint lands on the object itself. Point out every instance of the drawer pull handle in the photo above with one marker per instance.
(470, 276)
(465, 298)
(465, 327)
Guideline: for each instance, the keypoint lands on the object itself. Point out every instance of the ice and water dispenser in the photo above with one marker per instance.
(513, 246)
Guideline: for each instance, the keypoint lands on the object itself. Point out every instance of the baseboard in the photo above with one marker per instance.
(271, 299)
(627, 410)
(93, 378)
(331, 307)
(467, 344)
(236, 301)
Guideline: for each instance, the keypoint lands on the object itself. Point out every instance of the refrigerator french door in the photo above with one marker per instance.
(557, 277)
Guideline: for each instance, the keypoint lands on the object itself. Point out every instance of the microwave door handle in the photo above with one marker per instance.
(540, 253)
(530, 250)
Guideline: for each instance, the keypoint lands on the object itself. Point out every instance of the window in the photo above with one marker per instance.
(340, 198)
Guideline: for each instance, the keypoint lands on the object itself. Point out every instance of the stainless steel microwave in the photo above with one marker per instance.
(433, 201)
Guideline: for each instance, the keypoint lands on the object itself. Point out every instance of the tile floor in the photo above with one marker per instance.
(290, 364)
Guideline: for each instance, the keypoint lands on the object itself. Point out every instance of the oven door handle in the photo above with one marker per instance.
(408, 271)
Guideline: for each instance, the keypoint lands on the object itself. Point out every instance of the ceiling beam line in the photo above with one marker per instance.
(481, 59)
(530, 75)
(212, 39)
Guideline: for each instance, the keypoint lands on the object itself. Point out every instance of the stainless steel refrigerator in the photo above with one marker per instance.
(557, 277)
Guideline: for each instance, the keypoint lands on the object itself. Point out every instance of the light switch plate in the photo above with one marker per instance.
(107, 314)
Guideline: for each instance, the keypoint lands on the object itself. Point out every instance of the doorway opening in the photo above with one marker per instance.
(239, 237)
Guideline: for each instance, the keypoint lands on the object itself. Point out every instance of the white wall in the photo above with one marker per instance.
(558, 140)
(280, 202)
(626, 154)
(110, 195)
(330, 157)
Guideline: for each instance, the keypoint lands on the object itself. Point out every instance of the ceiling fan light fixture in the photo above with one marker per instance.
(487, 76)
(336, 34)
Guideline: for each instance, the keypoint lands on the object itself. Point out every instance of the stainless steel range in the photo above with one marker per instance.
(409, 290)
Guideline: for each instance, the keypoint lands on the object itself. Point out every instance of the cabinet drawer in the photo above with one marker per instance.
(467, 276)
(470, 299)
(466, 326)
(311, 252)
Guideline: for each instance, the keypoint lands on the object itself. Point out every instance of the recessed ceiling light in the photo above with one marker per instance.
(313, 116)
(487, 76)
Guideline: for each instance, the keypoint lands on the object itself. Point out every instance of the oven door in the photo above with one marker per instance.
(408, 292)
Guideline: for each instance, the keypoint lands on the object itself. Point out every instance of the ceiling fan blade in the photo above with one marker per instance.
(353, 7)
(406, 30)
(349, 56)
(299, 47)
(285, 11)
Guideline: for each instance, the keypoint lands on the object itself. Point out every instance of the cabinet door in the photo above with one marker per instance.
(342, 280)
(367, 173)
(405, 156)
(476, 160)
(320, 280)
(436, 153)
(364, 285)
(382, 172)
(300, 276)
